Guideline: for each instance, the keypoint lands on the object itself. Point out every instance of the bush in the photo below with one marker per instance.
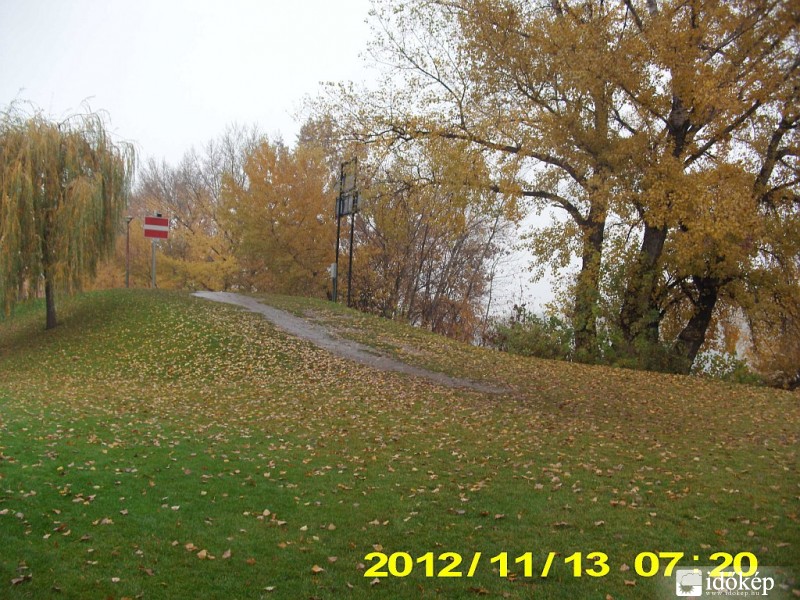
(725, 367)
(529, 334)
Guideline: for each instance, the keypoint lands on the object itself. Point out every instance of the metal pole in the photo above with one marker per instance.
(350, 267)
(336, 273)
(128, 252)
(153, 267)
(338, 233)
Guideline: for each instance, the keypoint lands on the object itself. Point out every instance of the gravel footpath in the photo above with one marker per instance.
(349, 349)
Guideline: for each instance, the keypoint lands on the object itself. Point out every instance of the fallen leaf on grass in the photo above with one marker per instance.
(316, 569)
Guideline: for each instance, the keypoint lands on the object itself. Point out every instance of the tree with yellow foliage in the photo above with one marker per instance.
(281, 218)
(664, 131)
(63, 187)
(199, 253)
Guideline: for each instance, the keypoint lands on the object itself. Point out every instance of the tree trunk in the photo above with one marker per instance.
(587, 290)
(50, 302)
(691, 338)
(639, 316)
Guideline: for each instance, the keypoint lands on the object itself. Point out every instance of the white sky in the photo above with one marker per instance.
(172, 74)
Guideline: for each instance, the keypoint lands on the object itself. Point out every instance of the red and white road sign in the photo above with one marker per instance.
(156, 227)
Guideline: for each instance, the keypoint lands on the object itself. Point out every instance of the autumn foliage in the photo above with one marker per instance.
(654, 144)
(62, 189)
(662, 134)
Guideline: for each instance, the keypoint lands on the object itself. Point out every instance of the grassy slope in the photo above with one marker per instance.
(151, 421)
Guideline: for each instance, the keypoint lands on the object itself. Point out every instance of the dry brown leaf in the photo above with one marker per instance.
(22, 579)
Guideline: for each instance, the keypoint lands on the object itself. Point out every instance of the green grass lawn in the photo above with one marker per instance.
(156, 445)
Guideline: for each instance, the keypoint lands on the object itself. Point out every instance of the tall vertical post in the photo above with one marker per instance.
(153, 267)
(350, 266)
(346, 204)
(338, 209)
(336, 264)
(128, 251)
(353, 210)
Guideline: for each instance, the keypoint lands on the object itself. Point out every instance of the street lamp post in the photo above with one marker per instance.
(128, 220)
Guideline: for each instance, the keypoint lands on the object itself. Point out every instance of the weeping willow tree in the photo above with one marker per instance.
(63, 187)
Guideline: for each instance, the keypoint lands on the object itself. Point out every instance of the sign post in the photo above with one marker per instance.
(128, 220)
(156, 228)
(346, 204)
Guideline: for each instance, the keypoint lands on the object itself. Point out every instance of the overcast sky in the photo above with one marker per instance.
(172, 74)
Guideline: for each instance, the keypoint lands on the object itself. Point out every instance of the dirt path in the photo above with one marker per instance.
(349, 349)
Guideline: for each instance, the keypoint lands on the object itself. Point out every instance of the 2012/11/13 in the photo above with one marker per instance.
(401, 564)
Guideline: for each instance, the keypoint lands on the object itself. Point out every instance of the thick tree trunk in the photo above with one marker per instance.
(50, 302)
(587, 290)
(691, 338)
(639, 316)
